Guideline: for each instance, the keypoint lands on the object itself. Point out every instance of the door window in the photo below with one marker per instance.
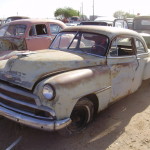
(139, 46)
(39, 29)
(121, 23)
(122, 46)
(141, 24)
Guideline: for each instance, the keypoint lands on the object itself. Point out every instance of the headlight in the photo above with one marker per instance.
(48, 92)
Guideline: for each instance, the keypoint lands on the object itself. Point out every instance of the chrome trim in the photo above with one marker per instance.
(120, 57)
(103, 89)
(7, 98)
(142, 54)
(31, 106)
(37, 37)
(48, 125)
(14, 90)
(27, 104)
(28, 113)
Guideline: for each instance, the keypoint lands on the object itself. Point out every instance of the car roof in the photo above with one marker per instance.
(24, 17)
(142, 17)
(105, 30)
(35, 21)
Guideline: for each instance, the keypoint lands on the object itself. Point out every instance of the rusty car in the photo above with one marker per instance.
(29, 34)
(86, 69)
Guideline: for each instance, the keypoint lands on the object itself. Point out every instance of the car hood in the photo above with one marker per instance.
(24, 69)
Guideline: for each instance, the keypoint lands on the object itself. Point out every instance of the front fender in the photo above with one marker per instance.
(71, 86)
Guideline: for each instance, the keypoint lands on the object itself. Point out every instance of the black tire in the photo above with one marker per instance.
(81, 115)
(1, 117)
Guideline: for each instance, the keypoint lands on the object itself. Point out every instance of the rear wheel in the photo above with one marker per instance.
(81, 115)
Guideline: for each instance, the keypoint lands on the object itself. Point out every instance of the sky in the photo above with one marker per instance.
(46, 8)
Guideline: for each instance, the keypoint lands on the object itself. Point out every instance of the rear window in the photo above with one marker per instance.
(141, 24)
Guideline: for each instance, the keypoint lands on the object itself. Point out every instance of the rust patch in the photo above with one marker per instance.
(14, 77)
(12, 43)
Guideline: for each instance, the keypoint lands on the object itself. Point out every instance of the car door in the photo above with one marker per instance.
(38, 37)
(123, 64)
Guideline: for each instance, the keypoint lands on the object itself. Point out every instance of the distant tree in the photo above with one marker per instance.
(65, 13)
(122, 14)
(128, 15)
(59, 13)
(119, 14)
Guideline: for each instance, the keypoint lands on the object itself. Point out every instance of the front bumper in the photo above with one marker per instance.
(49, 125)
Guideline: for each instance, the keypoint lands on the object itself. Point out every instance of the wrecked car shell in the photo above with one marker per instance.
(29, 34)
(46, 88)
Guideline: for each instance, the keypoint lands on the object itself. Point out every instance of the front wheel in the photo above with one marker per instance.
(81, 115)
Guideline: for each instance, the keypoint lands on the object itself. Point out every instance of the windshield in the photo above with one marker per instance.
(3, 29)
(141, 24)
(86, 42)
(15, 30)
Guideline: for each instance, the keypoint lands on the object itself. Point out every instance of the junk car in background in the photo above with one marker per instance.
(29, 34)
(111, 21)
(141, 24)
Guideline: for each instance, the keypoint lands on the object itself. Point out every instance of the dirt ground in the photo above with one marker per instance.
(125, 125)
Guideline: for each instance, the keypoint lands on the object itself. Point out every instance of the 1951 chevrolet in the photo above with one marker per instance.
(86, 69)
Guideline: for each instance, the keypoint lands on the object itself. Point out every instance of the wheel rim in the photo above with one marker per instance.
(80, 117)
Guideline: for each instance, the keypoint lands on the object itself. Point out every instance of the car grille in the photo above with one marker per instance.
(22, 102)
